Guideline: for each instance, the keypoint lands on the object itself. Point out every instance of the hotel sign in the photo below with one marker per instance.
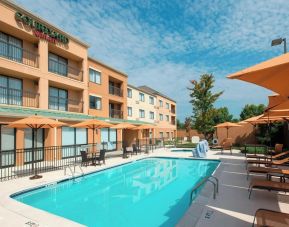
(40, 30)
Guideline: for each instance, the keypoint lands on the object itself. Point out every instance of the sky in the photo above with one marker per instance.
(165, 44)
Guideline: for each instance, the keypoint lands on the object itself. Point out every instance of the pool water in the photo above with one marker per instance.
(182, 150)
(148, 192)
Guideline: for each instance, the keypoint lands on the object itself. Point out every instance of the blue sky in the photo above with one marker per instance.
(164, 44)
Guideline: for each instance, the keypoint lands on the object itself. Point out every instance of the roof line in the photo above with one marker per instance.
(136, 88)
(20, 7)
(108, 66)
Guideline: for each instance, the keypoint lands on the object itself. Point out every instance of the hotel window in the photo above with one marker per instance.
(94, 102)
(11, 47)
(72, 136)
(141, 113)
(167, 118)
(38, 155)
(152, 115)
(161, 103)
(167, 105)
(161, 117)
(10, 91)
(152, 100)
(161, 134)
(108, 138)
(168, 135)
(94, 76)
(129, 93)
(58, 99)
(141, 97)
(7, 145)
(129, 111)
(57, 64)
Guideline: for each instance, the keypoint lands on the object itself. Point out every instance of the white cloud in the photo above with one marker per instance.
(168, 53)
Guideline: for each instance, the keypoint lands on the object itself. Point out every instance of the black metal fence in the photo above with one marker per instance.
(23, 162)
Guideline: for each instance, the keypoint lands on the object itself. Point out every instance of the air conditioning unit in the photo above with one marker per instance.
(137, 102)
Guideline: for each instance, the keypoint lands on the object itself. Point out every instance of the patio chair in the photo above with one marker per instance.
(268, 162)
(277, 149)
(135, 149)
(268, 185)
(264, 217)
(101, 156)
(85, 160)
(276, 156)
(266, 170)
(226, 144)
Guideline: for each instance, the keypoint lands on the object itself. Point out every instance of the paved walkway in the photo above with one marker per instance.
(231, 207)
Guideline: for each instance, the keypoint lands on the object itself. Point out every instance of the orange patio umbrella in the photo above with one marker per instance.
(93, 124)
(227, 125)
(35, 122)
(275, 100)
(271, 74)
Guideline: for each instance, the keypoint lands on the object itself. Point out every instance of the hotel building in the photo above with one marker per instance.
(46, 71)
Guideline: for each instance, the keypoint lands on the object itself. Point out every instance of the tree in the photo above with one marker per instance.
(222, 115)
(180, 125)
(251, 110)
(203, 99)
(188, 124)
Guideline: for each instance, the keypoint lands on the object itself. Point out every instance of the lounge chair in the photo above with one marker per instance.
(266, 170)
(226, 144)
(270, 218)
(276, 156)
(277, 149)
(268, 185)
(267, 162)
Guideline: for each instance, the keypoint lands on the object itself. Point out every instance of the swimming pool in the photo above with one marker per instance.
(148, 192)
(183, 150)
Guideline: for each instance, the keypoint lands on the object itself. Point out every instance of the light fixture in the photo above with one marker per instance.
(276, 42)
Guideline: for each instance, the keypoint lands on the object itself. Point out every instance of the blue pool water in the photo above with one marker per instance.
(148, 192)
(183, 150)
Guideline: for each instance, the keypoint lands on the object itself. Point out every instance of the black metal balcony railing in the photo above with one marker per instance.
(113, 90)
(114, 113)
(64, 70)
(10, 96)
(64, 104)
(18, 54)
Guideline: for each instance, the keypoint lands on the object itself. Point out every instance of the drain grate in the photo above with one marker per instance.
(31, 224)
(209, 214)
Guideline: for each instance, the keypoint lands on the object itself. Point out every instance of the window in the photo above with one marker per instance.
(10, 91)
(152, 100)
(141, 113)
(167, 118)
(141, 97)
(161, 134)
(38, 155)
(152, 115)
(108, 139)
(58, 99)
(7, 145)
(73, 136)
(161, 103)
(57, 64)
(168, 135)
(167, 105)
(161, 117)
(11, 47)
(94, 102)
(129, 111)
(129, 93)
(94, 76)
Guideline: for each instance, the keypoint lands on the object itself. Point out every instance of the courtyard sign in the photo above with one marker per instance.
(40, 30)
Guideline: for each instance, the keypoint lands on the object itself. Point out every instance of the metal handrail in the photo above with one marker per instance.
(73, 172)
(202, 182)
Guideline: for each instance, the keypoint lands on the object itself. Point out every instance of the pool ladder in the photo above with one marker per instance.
(73, 171)
(213, 180)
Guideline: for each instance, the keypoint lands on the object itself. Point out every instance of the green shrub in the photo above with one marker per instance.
(186, 145)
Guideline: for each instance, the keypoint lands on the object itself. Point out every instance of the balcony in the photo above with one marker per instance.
(114, 113)
(113, 90)
(18, 54)
(64, 70)
(16, 97)
(64, 104)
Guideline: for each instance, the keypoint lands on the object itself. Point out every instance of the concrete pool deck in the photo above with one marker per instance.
(230, 208)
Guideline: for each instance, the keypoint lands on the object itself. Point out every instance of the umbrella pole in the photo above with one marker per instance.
(34, 136)
(227, 133)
